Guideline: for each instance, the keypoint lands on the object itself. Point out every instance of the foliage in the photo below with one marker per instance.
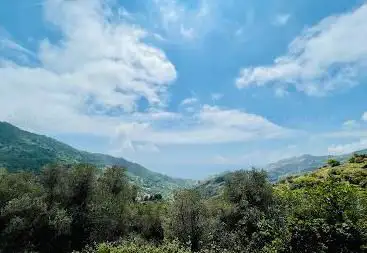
(133, 247)
(333, 163)
(358, 158)
(82, 208)
(67, 208)
(22, 150)
(187, 218)
(326, 216)
(254, 217)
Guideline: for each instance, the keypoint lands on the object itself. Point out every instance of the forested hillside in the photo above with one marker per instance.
(22, 150)
(62, 209)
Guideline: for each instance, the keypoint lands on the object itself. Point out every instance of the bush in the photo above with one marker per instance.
(333, 163)
(169, 247)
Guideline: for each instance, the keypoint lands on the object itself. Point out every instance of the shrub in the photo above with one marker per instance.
(333, 163)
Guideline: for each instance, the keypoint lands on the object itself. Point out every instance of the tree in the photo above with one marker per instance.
(82, 178)
(187, 220)
(358, 158)
(255, 217)
(27, 223)
(333, 163)
(108, 210)
(328, 217)
(54, 179)
(147, 220)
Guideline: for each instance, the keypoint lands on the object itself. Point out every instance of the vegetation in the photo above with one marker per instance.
(82, 208)
(22, 150)
(84, 203)
(333, 163)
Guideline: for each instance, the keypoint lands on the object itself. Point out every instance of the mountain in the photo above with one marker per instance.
(352, 171)
(276, 171)
(302, 164)
(22, 150)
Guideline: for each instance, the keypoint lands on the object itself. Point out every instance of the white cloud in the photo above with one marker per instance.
(281, 19)
(329, 56)
(155, 116)
(178, 20)
(211, 124)
(348, 148)
(364, 116)
(189, 101)
(100, 60)
(92, 79)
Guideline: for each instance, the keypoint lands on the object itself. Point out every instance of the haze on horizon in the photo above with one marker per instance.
(188, 88)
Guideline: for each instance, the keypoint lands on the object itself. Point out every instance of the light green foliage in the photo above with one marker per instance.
(169, 247)
(326, 211)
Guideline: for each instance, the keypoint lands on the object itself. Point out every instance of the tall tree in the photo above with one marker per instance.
(188, 218)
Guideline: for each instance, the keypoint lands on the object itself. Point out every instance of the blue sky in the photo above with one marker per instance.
(188, 88)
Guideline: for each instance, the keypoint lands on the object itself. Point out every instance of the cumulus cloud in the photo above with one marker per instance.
(99, 61)
(348, 148)
(322, 59)
(211, 124)
(92, 79)
(364, 116)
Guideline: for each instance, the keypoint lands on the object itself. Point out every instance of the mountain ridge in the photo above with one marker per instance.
(283, 168)
(23, 150)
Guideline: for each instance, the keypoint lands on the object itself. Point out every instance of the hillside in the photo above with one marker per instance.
(277, 171)
(353, 171)
(22, 150)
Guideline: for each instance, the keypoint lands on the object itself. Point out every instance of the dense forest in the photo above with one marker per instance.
(84, 209)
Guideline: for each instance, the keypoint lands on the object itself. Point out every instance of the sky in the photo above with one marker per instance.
(188, 88)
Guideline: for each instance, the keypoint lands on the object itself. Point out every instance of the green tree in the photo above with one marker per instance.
(188, 218)
(109, 211)
(255, 217)
(55, 181)
(328, 217)
(333, 163)
(82, 179)
(26, 221)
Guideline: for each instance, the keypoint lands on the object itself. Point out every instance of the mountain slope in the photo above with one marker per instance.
(22, 150)
(302, 164)
(276, 171)
(355, 173)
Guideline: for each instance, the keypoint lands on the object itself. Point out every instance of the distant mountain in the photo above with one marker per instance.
(22, 150)
(302, 164)
(354, 172)
(276, 171)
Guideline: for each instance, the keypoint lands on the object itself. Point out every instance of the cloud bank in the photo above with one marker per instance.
(329, 56)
